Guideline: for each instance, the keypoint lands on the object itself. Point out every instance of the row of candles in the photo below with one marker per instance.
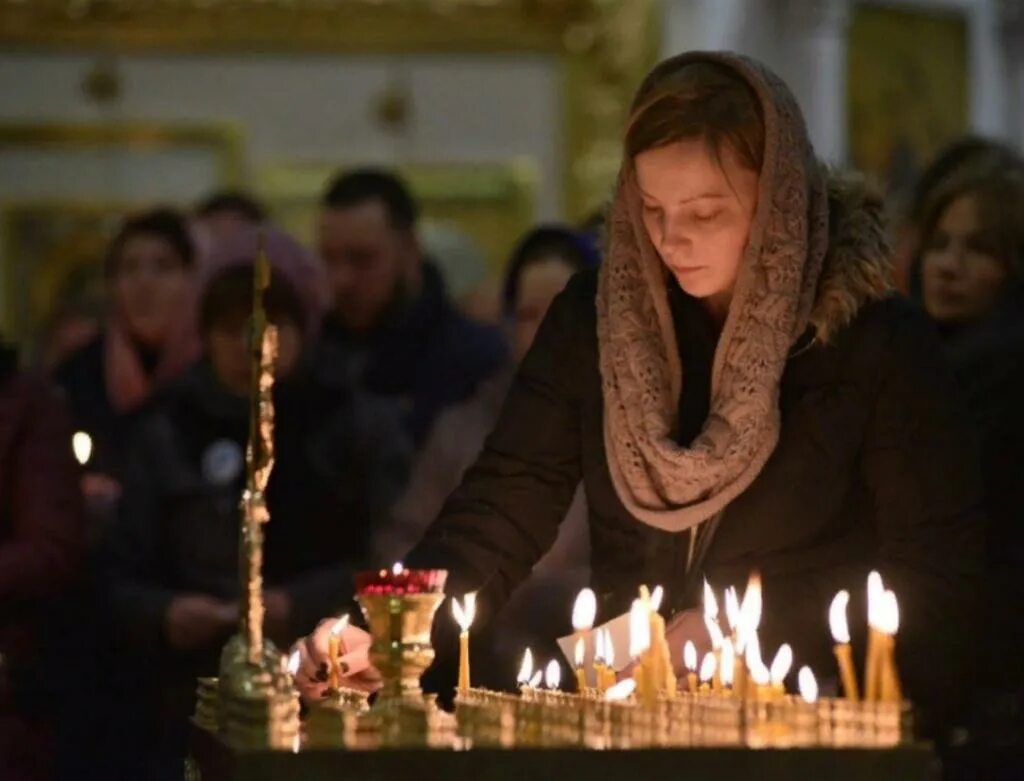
(733, 666)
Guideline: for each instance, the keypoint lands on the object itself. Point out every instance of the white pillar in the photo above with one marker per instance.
(814, 64)
(987, 75)
(703, 24)
(1012, 39)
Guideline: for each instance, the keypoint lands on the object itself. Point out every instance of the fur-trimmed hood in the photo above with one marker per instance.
(858, 264)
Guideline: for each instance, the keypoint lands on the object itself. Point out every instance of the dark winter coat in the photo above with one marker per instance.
(426, 358)
(873, 469)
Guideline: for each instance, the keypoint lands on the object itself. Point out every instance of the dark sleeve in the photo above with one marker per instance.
(375, 457)
(45, 549)
(507, 511)
(919, 464)
(138, 592)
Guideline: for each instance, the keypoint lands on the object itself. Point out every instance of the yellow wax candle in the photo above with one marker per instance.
(333, 672)
(841, 637)
(691, 682)
(463, 661)
(874, 664)
(464, 615)
(847, 673)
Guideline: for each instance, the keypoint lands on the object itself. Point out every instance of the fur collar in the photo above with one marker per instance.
(858, 265)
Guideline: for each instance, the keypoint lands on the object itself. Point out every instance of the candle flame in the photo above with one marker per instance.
(714, 631)
(732, 608)
(690, 656)
(81, 444)
(707, 668)
(397, 569)
(553, 675)
(752, 603)
(808, 685)
(584, 611)
(621, 690)
(759, 674)
(728, 662)
(536, 679)
(656, 598)
(293, 663)
(609, 649)
(888, 613)
(876, 592)
(340, 626)
(639, 629)
(526, 668)
(837, 617)
(781, 664)
(466, 612)
(753, 652)
(710, 602)
(580, 652)
(599, 647)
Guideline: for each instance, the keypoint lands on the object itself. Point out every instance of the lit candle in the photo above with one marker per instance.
(599, 663)
(872, 675)
(525, 671)
(746, 628)
(781, 665)
(663, 676)
(81, 445)
(553, 676)
(889, 624)
(728, 664)
(639, 644)
(760, 678)
(758, 673)
(808, 685)
(707, 671)
(690, 661)
(609, 658)
(464, 615)
(732, 611)
(715, 633)
(581, 673)
(334, 652)
(535, 681)
(584, 611)
(841, 636)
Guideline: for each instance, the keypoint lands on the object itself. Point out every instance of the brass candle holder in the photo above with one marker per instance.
(399, 608)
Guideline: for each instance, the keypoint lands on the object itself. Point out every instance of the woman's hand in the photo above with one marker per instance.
(354, 660)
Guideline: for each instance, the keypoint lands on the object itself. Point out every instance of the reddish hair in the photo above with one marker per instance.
(700, 100)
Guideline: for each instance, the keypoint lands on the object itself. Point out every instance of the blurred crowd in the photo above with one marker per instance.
(122, 454)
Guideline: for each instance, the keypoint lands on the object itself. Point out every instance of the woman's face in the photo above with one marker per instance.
(539, 283)
(149, 287)
(962, 279)
(698, 214)
(227, 347)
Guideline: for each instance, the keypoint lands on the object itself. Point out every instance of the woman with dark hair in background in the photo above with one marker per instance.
(970, 155)
(147, 340)
(737, 390)
(971, 282)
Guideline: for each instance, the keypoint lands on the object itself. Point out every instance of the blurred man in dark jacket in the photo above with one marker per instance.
(391, 328)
